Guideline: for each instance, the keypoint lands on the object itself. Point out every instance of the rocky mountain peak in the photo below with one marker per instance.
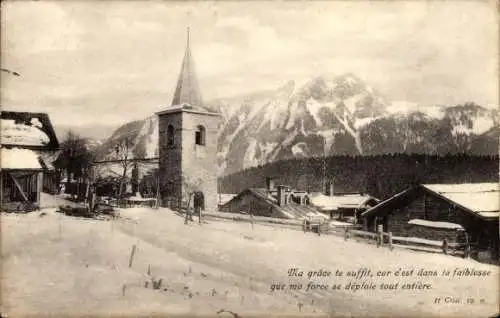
(330, 115)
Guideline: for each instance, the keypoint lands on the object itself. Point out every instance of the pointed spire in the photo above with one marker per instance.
(187, 90)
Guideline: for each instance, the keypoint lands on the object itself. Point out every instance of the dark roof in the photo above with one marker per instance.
(480, 199)
(291, 210)
(187, 95)
(394, 202)
(21, 139)
(187, 90)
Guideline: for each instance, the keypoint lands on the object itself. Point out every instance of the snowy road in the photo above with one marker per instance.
(61, 265)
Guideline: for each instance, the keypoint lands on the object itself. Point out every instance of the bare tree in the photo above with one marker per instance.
(76, 159)
(122, 150)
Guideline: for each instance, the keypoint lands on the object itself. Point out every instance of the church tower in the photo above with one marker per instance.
(188, 145)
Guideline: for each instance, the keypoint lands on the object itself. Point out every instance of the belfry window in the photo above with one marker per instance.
(200, 135)
(170, 135)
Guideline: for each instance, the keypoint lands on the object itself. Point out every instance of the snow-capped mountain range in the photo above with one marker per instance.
(328, 116)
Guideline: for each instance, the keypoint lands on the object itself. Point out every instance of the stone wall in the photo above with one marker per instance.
(170, 163)
(186, 166)
(199, 162)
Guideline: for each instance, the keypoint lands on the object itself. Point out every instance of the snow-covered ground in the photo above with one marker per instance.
(62, 265)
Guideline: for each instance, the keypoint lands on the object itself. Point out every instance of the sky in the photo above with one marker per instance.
(89, 63)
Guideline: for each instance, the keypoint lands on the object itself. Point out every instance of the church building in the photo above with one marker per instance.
(188, 145)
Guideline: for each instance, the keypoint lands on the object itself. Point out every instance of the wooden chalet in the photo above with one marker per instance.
(280, 202)
(343, 207)
(29, 147)
(438, 211)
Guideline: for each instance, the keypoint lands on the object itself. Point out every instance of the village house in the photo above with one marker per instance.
(342, 206)
(272, 201)
(436, 211)
(29, 147)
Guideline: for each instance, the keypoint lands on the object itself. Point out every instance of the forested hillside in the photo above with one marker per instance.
(381, 176)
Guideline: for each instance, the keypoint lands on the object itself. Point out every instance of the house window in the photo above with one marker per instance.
(200, 135)
(170, 135)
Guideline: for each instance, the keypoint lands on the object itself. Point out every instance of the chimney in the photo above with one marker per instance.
(270, 184)
(281, 195)
(330, 190)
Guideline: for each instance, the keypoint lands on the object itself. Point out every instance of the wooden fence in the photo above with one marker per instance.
(253, 219)
(381, 238)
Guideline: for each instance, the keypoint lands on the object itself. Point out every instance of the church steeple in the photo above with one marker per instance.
(187, 90)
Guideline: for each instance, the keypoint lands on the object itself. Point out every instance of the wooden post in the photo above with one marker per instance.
(189, 217)
(250, 213)
(1, 190)
(87, 193)
(467, 251)
(199, 210)
(77, 189)
(467, 246)
(132, 253)
(390, 240)
(92, 201)
(60, 226)
(380, 235)
(445, 246)
(158, 192)
(39, 187)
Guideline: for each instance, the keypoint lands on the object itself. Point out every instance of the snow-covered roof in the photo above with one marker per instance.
(350, 201)
(482, 199)
(223, 198)
(13, 133)
(463, 187)
(21, 159)
(477, 197)
(436, 224)
(25, 129)
(335, 223)
(291, 210)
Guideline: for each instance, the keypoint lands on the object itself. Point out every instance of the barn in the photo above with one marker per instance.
(435, 211)
(281, 202)
(29, 147)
